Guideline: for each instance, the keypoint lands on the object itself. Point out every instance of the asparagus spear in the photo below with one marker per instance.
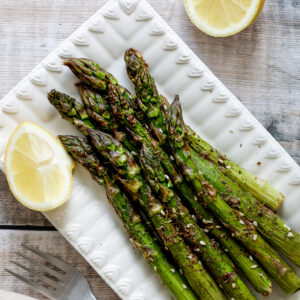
(145, 87)
(243, 260)
(201, 281)
(83, 118)
(125, 116)
(237, 253)
(71, 110)
(98, 110)
(240, 227)
(82, 152)
(269, 224)
(257, 276)
(129, 175)
(219, 264)
(261, 189)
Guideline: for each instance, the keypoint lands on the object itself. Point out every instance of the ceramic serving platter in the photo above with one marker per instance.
(86, 220)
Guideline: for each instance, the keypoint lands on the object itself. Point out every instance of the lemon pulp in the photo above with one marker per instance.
(223, 17)
(38, 169)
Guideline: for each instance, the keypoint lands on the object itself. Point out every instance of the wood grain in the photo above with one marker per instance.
(261, 66)
(53, 243)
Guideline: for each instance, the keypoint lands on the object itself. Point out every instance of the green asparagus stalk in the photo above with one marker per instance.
(243, 260)
(268, 223)
(98, 110)
(261, 189)
(83, 117)
(71, 110)
(82, 152)
(129, 175)
(240, 227)
(125, 115)
(91, 74)
(146, 90)
(256, 276)
(219, 264)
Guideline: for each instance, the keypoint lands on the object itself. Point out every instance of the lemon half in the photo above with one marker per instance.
(222, 18)
(38, 168)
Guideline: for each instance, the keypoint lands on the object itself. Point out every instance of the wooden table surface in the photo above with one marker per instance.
(261, 66)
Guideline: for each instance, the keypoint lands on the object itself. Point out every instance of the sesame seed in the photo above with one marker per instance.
(190, 256)
(232, 234)
(228, 167)
(197, 250)
(172, 270)
(189, 225)
(194, 217)
(290, 234)
(180, 271)
(162, 212)
(254, 266)
(233, 285)
(255, 223)
(254, 237)
(242, 222)
(206, 230)
(195, 198)
(241, 214)
(251, 257)
(172, 157)
(232, 299)
(287, 227)
(203, 243)
(165, 107)
(226, 250)
(167, 177)
(184, 286)
(218, 226)
(155, 268)
(173, 210)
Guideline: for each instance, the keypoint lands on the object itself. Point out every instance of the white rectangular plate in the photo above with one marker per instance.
(86, 220)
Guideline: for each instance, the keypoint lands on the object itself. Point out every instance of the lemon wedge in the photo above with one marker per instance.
(38, 168)
(222, 18)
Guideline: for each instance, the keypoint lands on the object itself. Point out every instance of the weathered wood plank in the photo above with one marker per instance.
(53, 243)
(260, 65)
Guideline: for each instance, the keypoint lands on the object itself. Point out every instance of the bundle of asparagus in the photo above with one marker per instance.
(213, 220)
